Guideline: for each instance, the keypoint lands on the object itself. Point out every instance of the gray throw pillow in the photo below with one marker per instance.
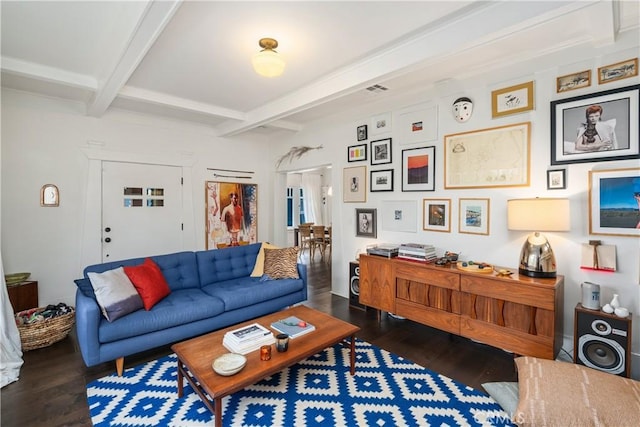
(115, 293)
(505, 393)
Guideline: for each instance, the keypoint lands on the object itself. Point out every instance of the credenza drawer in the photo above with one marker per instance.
(444, 279)
(530, 295)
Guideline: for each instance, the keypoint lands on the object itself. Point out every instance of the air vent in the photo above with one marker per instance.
(377, 88)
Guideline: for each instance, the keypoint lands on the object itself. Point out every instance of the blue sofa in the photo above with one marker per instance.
(209, 290)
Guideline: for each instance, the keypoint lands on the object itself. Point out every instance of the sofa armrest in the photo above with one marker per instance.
(302, 272)
(88, 317)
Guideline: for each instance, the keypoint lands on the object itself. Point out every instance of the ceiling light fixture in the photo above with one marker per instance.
(268, 62)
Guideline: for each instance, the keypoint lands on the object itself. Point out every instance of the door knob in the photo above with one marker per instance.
(108, 239)
(108, 229)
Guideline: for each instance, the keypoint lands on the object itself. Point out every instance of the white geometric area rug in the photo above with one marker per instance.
(386, 390)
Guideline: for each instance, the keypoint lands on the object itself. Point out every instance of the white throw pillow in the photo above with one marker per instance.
(115, 293)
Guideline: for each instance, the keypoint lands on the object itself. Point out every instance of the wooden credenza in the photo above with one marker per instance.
(520, 314)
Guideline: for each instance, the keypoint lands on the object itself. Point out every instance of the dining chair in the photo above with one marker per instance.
(319, 239)
(306, 240)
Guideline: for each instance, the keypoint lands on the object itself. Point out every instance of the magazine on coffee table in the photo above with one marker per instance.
(293, 326)
(248, 333)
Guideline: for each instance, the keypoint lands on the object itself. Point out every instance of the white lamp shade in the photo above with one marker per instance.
(539, 214)
(268, 63)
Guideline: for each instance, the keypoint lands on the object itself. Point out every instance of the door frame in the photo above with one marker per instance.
(90, 246)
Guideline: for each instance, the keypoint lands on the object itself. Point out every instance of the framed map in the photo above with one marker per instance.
(493, 157)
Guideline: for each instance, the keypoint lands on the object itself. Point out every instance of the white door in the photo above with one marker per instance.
(141, 210)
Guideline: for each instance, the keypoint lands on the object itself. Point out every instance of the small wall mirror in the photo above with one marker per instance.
(49, 195)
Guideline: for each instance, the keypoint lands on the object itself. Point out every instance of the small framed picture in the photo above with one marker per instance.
(354, 184)
(418, 169)
(473, 216)
(512, 100)
(573, 81)
(618, 71)
(381, 124)
(49, 196)
(357, 153)
(556, 179)
(436, 215)
(366, 223)
(362, 133)
(614, 202)
(381, 151)
(381, 180)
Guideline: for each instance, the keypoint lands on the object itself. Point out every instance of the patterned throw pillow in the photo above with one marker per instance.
(258, 267)
(115, 293)
(281, 263)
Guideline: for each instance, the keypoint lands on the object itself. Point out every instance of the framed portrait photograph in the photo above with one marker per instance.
(380, 124)
(512, 100)
(436, 215)
(400, 215)
(354, 184)
(366, 223)
(556, 179)
(418, 123)
(232, 214)
(573, 81)
(473, 216)
(381, 151)
(618, 71)
(418, 169)
(614, 202)
(381, 180)
(601, 126)
(493, 157)
(362, 133)
(357, 153)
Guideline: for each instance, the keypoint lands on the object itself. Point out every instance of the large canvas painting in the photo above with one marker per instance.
(232, 214)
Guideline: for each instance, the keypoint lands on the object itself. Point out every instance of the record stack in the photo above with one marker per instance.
(417, 252)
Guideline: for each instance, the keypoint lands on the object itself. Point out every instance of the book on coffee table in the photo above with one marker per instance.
(292, 327)
(248, 333)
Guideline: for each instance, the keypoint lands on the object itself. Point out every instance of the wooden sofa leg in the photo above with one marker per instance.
(120, 365)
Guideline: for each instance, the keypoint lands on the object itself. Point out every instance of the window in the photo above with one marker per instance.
(293, 208)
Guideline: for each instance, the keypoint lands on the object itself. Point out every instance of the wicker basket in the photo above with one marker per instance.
(44, 333)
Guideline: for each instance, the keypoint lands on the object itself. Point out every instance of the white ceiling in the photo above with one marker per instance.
(192, 59)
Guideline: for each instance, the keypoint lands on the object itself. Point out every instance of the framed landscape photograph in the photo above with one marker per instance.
(573, 81)
(473, 216)
(366, 223)
(381, 180)
(362, 133)
(418, 169)
(614, 202)
(381, 151)
(231, 215)
(494, 157)
(597, 127)
(418, 123)
(512, 100)
(557, 179)
(618, 71)
(436, 215)
(354, 184)
(357, 153)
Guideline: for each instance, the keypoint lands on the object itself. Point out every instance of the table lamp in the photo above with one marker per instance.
(539, 214)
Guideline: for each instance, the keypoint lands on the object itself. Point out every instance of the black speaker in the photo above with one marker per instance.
(354, 286)
(602, 341)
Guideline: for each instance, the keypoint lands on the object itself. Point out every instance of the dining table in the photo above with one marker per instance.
(296, 235)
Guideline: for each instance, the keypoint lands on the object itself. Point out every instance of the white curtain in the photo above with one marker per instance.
(11, 346)
(312, 198)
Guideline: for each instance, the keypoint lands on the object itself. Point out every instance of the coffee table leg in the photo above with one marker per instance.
(179, 378)
(353, 354)
(217, 405)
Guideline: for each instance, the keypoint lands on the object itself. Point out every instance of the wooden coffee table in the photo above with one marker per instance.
(196, 355)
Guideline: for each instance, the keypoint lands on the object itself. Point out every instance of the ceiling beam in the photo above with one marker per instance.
(483, 23)
(156, 16)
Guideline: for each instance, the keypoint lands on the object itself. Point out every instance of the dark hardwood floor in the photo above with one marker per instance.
(51, 389)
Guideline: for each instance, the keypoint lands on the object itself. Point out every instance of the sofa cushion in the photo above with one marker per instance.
(239, 293)
(553, 393)
(178, 308)
(258, 268)
(115, 293)
(149, 282)
(85, 287)
(219, 265)
(281, 263)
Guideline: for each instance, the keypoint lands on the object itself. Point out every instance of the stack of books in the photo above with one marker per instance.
(247, 339)
(417, 252)
(293, 327)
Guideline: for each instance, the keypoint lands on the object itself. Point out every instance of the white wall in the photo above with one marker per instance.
(501, 246)
(50, 141)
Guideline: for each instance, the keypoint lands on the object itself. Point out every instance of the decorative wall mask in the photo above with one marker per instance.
(462, 109)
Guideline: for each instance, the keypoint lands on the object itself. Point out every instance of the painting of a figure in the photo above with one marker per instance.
(232, 214)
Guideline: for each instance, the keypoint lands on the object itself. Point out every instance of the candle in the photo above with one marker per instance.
(265, 352)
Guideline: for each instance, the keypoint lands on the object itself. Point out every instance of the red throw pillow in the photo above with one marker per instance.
(149, 282)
